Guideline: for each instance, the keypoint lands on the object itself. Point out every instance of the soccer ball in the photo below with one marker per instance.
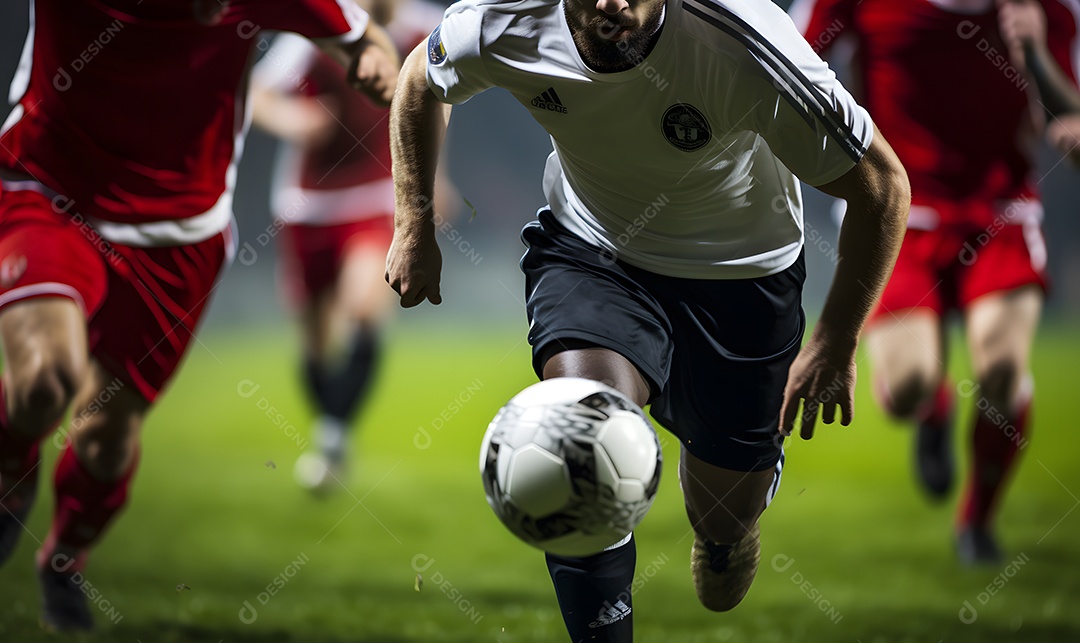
(570, 466)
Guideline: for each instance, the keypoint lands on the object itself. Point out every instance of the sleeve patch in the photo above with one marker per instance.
(436, 50)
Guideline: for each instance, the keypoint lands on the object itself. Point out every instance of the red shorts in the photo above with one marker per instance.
(141, 304)
(313, 255)
(948, 268)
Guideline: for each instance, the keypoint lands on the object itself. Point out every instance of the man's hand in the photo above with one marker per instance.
(1063, 133)
(1022, 24)
(374, 72)
(822, 376)
(372, 63)
(414, 266)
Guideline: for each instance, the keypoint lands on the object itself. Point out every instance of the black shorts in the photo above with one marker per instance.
(715, 352)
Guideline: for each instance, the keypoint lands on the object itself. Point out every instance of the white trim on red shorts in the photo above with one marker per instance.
(20, 82)
(175, 232)
(1036, 245)
(296, 205)
(37, 290)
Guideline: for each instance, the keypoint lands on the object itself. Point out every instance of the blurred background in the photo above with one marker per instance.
(220, 545)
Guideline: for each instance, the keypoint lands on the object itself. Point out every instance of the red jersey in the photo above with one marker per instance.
(133, 109)
(348, 178)
(937, 79)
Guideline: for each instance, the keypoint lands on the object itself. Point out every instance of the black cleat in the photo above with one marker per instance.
(934, 463)
(977, 546)
(15, 506)
(63, 603)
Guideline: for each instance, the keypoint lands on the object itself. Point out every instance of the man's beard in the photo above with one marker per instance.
(604, 55)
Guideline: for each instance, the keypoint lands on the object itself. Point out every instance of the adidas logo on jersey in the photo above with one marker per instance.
(549, 100)
(611, 614)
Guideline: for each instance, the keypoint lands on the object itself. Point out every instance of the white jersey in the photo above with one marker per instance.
(682, 165)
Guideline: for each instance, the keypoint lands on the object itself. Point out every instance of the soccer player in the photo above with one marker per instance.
(333, 199)
(668, 262)
(117, 168)
(973, 243)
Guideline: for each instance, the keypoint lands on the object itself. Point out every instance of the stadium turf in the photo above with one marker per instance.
(219, 544)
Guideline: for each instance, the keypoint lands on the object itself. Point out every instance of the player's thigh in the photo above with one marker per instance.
(906, 354)
(1001, 294)
(582, 359)
(106, 420)
(588, 317)
(362, 294)
(43, 337)
(1000, 330)
(52, 275)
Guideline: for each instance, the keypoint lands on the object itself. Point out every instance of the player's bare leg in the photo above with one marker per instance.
(341, 328)
(724, 506)
(92, 480)
(594, 592)
(45, 360)
(907, 353)
(1000, 329)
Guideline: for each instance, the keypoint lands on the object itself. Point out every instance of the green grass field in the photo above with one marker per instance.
(851, 552)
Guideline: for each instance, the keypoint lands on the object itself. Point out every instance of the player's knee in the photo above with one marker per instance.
(106, 455)
(904, 397)
(40, 396)
(998, 382)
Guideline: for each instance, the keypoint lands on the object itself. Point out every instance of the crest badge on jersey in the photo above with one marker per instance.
(436, 52)
(685, 127)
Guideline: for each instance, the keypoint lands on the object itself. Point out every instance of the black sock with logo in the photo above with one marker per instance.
(594, 594)
(339, 387)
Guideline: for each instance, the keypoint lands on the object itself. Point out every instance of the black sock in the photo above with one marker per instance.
(594, 594)
(339, 388)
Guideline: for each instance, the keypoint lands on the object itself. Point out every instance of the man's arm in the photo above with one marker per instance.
(1023, 25)
(1023, 28)
(823, 375)
(372, 63)
(418, 123)
(300, 120)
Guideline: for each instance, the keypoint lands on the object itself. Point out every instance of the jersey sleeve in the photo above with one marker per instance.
(455, 66)
(1063, 35)
(341, 20)
(285, 65)
(788, 95)
(822, 22)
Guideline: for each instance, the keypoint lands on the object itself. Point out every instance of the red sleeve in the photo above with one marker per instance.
(310, 18)
(1062, 37)
(823, 21)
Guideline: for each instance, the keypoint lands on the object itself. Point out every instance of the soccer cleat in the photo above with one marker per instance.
(723, 573)
(976, 546)
(323, 471)
(63, 602)
(934, 458)
(318, 474)
(15, 505)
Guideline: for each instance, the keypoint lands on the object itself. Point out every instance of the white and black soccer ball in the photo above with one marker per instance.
(570, 465)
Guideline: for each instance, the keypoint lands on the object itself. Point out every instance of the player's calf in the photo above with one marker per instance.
(724, 506)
